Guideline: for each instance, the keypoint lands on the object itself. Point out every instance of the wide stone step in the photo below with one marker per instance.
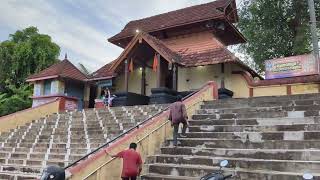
(254, 128)
(241, 109)
(240, 144)
(256, 121)
(277, 154)
(23, 169)
(197, 171)
(277, 114)
(275, 165)
(18, 176)
(244, 163)
(243, 115)
(307, 99)
(258, 136)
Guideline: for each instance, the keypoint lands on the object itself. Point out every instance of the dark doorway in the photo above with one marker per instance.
(169, 78)
(93, 95)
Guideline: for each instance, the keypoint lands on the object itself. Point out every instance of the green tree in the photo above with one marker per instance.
(275, 28)
(26, 52)
(15, 99)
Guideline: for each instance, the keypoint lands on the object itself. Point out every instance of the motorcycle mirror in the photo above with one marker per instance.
(307, 176)
(224, 163)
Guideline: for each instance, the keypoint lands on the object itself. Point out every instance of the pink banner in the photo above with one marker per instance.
(291, 66)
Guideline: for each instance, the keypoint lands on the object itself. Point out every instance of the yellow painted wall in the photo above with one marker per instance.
(20, 118)
(135, 81)
(119, 83)
(238, 85)
(270, 91)
(151, 80)
(305, 88)
(197, 76)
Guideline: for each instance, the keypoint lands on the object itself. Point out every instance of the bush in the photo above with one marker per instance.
(16, 99)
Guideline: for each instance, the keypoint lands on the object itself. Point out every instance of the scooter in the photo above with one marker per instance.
(218, 175)
(307, 176)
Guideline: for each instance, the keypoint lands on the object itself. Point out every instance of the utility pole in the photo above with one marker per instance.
(313, 24)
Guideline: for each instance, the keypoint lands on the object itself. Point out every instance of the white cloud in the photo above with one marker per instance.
(80, 37)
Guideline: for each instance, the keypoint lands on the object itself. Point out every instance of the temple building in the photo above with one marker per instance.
(167, 55)
(61, 80)
(179, 50)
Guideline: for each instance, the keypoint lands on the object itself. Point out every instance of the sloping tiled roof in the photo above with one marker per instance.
(162, 48)
(103, 73)
(63, 69)
(188, 59)
(176, 18)
(155, 43)
(213, 56)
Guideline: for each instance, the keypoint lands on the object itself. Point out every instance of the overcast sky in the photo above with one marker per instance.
(81, 27)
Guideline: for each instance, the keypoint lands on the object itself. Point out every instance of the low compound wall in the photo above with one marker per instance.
(149, 138)
(12, 121)
(244, 86)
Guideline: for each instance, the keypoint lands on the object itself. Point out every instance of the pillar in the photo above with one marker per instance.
(143, 81)
(159, 71)
(126, 74)
(174, 77)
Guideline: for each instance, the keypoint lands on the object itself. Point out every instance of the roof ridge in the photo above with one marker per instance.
(74, 67)
(59, 69)
(179, 17)
(193, 6)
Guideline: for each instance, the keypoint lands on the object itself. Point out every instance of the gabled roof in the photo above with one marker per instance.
(217, 55)
(155, 43)
(185, 16)
(62, 69)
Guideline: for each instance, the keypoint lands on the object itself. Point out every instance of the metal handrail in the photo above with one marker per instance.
(144, 137)
(123, 134)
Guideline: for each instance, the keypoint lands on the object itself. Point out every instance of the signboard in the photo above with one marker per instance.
(291, 66)
(105, 83)
(70, 105)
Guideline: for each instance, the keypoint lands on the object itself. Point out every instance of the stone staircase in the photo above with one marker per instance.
(61, 139)
(265, 138)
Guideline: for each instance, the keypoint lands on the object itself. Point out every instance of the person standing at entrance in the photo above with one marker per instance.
(132, 162)
(178, 114)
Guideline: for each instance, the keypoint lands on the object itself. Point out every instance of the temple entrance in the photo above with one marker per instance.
(146, 73)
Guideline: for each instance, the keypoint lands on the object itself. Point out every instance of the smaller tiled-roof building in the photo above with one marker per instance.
(60, 80)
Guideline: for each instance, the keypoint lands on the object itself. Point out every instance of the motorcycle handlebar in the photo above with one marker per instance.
(227, 176)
